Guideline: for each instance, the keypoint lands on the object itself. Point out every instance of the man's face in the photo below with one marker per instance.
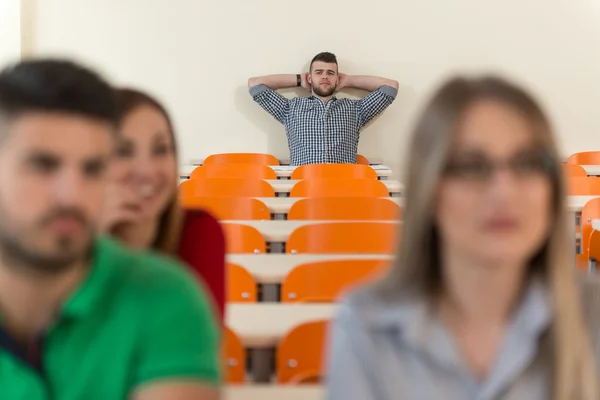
(52, 184)
(324, 78)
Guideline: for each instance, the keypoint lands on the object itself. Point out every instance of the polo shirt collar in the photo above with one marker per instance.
(95, 285)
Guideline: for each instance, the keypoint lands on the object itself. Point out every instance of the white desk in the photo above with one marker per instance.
(282, 205)
(278, 231)
(274, 392)
(576, 203)
(264, 324)
(273, 268)
(285, 171)
(592, 170)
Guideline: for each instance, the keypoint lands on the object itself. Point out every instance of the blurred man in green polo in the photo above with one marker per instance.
(82, 318)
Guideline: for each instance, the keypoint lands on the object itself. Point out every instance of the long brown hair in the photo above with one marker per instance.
(169, 226)
(418, 262)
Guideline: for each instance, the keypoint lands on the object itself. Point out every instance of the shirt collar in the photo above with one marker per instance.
(411, 313)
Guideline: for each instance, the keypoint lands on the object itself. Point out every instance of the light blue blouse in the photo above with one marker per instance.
(389, 350)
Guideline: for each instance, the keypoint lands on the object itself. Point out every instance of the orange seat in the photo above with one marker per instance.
(256, 171)
(299, 356)
(583, 186)
(229, 207)
(357, 208)
(234, 357)
(241, 238)
(324, 281)
(590, 211)
(318, 171)
(585, 158)
(339, 187)
(574, 171)
(594, 250)
(225, 187)
(344, 237)
(360, 159)
(241, 286)
(241, 158)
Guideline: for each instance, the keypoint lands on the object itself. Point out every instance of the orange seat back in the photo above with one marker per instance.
(339, 187)
(590, 211)
(299, 356)
(241, 158)
(360, 159)
(319, 171)
(241, 238)
(229, 207)
(583, 186)
(585, 158)
(241, 286)
(225, 187)
(344, 238)
(234, 357)
(594, 247)
(324, 281)
(256, 171)
(574, 171)
(357, 208)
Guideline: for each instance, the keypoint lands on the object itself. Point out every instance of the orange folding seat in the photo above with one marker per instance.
(324, 281)
(344, 238)
(234, 357)
(574, 171)
(241, 286)
(354, 208)
(589, 186)
(225, 187)
(256, 171)
(241, 238)
(585, 158)
(299, 356)
(340, 187)
(360, 159)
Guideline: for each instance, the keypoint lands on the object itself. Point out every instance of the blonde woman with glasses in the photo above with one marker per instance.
(483, 301)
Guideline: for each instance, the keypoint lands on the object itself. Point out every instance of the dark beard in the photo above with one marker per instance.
(17, 251)
(17, 255)
(323, 93)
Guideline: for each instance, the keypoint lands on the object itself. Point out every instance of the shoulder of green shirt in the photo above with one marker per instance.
(181, 338)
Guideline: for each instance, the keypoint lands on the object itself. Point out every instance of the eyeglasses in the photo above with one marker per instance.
(476, 167)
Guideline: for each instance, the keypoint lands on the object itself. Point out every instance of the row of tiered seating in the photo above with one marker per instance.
(337, 228)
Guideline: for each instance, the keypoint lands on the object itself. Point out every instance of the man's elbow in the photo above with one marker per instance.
(394, 84)
(253, 82)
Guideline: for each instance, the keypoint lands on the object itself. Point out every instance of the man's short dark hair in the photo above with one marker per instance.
(324, 57)
(56, 86)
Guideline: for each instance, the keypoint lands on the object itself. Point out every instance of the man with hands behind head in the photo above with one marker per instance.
(321, 128)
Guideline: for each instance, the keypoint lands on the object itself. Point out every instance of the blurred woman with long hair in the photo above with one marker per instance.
(483, 301)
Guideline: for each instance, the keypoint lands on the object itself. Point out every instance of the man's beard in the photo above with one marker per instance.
(323, 93)
(18, 250)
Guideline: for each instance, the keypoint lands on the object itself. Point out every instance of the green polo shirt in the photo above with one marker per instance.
(135, 319)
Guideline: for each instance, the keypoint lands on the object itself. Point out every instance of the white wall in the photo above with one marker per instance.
(197, 56)
(10, 31)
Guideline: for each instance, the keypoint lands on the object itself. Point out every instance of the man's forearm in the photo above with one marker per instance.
(369, 83)
(280, 81)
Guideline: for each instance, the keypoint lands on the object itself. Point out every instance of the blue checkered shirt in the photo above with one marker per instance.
(323, 133)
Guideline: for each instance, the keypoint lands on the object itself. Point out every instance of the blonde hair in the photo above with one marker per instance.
(417, 264)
